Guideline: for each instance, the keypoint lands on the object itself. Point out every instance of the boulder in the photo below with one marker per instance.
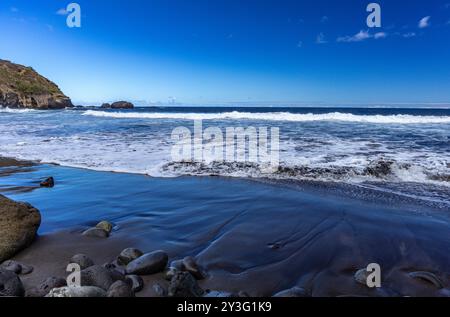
(98, 276)
(49, 182)
(122, 105)
(19, 223)
(150, 263)
(105, 225)
(96, 233)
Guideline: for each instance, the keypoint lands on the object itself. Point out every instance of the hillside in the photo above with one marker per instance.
(23, 87)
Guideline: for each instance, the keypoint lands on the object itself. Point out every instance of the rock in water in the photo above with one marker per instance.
(46, 286)
(19, 223)
(122, 105)
(128, 255)
(49, 182)
(96, 233)
(77, 291)
(23, 87)
(183, 284)
(10, 284)
(106, 106)
(150, 263)
(120, 289)
(292, 292)
(82, 260)
(105, 225)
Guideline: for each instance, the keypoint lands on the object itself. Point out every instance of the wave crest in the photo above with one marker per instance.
(276, 116)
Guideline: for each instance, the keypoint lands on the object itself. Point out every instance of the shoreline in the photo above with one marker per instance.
(313, 241)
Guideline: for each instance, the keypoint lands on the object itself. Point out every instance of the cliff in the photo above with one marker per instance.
(23, 87)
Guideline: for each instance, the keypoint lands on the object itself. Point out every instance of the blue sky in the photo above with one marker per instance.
(201, 51)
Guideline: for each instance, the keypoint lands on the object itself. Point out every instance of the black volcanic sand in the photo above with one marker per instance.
(248, 236)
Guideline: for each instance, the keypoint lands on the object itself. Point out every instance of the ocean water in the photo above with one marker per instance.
(402, 151)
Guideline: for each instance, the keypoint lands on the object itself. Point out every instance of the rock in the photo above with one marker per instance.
(96, 233)
(136, 282)
(105, 225)
(23, 87)
(128, 255)
(17, 267)
(183, 284)
(10, 284)
(122, 105)
(19, 223)
(361, 276)
(379, 169)
(191, 266)
(120, 289)
(82, 260)
(170, 273)
(147, 264)
(177, 264)
(97, 276)
(45, 287)
(77, 291)
(292, 292)
(159, 290)
(116, 269)
(49, 182)
(106, 106)
(218, 294)
(429, 278)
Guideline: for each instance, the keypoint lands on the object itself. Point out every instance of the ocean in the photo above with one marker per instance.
(400, 150)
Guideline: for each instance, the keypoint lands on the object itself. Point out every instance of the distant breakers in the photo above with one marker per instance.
(237, 145)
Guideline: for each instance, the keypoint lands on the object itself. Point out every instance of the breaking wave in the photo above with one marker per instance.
(276, 116)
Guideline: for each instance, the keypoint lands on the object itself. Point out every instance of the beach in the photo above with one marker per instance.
(250, 237)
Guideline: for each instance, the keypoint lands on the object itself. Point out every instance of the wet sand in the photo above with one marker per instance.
(251, 237)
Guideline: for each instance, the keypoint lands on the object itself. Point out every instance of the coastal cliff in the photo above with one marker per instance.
(23, 87)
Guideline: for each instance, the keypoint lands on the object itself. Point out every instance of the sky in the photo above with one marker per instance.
(205, 51)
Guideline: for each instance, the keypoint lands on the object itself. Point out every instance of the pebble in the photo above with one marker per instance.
(147, 264)
(136, 282)
(128, 255)
(45, 287)
(10, 284)
(49, 182)
(82, 260)
(159, 290)
(105, 225)
(77, 291)
(120, 289)
(96, 232)
(183, 284)
(98, 276)
(17, 267)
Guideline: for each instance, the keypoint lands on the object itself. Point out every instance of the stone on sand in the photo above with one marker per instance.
(183, 284)
(105, 225)
(128, 255)
(17, 267)
(82, 260)
(147, 264)
(96, 233)
(46, 286)
(120, 289)
(10, 284)
(136, 282)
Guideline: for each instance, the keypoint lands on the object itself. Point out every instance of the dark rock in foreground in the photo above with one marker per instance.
(23, 87)
(19, 223)
(150, 263)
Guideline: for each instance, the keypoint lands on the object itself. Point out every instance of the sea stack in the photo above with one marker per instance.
(23, 87)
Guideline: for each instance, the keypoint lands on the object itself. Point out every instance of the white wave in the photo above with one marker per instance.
(276, 116)
(10, 110)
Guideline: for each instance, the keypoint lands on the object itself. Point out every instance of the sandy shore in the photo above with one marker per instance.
(311, 240)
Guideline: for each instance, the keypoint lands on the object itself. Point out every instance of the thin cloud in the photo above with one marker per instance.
(300, 44)
(14, 9)
(321, 39)
(361, 36)
(424, 22)
(409, 35)
(324, 19)
(62, 11)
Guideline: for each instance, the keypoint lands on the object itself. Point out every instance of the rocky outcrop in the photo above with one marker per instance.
(118, 105)
(23, 87)
(19, 223)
